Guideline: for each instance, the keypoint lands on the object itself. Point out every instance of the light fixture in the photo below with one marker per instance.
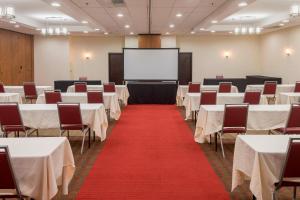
(202, 29)
(87, 56)
(178, 15)
(97, 29)
(85, 32)
(288, 51)
(7, 12)
(167, 33)
(171, 25)
(120, 15)
(192, 32)
(243, 4)
(105, 33)
(214, 21)
(84, 22)
(281, 24)
(17, 26)
(286, 21)
(295, 11)
(55, 4)
(212, 31)
(230, 32)
(227, 54)
(127, 26)
(12, 22)
(246, 29)
(54, 29)
(131, 33)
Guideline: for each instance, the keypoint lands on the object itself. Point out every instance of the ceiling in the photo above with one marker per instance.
(175, 17)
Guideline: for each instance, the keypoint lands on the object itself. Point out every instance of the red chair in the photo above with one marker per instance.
(225, 87)
(252, 97)
(219, 77)
(80, 86)
(8, 182)
(297, 86)
(293, 123)
(234, 121)
(11, 120)
(270, 90)
(194, 87)
(290, 173)
(30, 91)
(83, 78)
(52, 96)
(109, 87)
(2, 90)
(70, 119)
(208, 97)
(95, 96)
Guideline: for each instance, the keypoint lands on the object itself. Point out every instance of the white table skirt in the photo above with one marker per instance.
(20, 90)
(45, 116)
(110, 101)
(10, 97)
(289, 97)
(41, 165)
(121, 90)
(192, 100)
(260, 163)
(183, 89)
(260, 117)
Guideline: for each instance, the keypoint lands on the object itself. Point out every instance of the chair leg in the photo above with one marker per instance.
(94, 136)
(295, 193)
(209, 139)
(274, 195)
(37, 132)
(216, 142)
(222, 147)
(253, 197)
(89, 137)
(82, 142)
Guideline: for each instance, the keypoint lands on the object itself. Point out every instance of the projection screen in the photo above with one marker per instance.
(151, 64)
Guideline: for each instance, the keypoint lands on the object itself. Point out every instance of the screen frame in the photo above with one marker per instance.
(178, 50)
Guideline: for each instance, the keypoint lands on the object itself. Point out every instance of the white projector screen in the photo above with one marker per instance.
(151, 64)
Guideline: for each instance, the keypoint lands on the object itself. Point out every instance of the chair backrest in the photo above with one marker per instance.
(294, 117)
(95, 96)
(83, 78)
(208, 97)
(235, 115)
(297, 86)
(80, 86)
(52, 96)
(29, 89)
(194, 87)
(270, 87)
(291, 165)
(69, 114)
(10, 115)
(2, 90)
(252, 97)
(219, 77)
(225, 87)
(109, 87)
(7, 180)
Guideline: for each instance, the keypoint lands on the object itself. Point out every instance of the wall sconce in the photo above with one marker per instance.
(87, 56)
(288, 52)
(227, 54)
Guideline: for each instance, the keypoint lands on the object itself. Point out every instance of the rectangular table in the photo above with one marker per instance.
(64, 84)
(110, 101)
(41, 165)
(260, 117)
(45, 116)
(280, 88)
(289, 97)
(259, 158)
(192, 100)
(121, 90)
(19, 89)
(10, 97)
(183, 89)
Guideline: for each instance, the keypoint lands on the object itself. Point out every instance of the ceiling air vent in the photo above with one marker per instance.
(118, 2)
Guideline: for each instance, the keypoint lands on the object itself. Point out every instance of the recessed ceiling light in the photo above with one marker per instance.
(127, 26)
(84, 22)
(202, 29)
(214, 21)
(167, 33)
(106, 33)
(286, 21)
(12, 22)
(281, 24)
(243, 4)
(17, 26)
(37, 29)
(131, 33)
(55, 4)
(171, 25)
(85, 32)
(178, 15)
(97, 29)
(192, 32)
(120, 15)
(212, 31)
(230, 32)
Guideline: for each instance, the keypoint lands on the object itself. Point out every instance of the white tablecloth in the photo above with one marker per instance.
(260, 117)
(45, 116)
(41, 165)
(110, 101)
(260, 158)
(121, 90)
(183, 89)
(280, 88)
(20, 90)
(288, 98)
(192, 100)
(10, 97)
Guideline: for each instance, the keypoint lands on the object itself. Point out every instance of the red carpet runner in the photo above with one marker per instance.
(151, 154)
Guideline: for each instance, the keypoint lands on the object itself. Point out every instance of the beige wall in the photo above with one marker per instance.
(209, 60)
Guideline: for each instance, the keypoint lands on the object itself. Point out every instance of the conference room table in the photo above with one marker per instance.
(41, 165)
(45, 116)
(289, 97)
(110, 101)
(10, 97)
(191, 101)
(121, 90)
(260, 117)
(183, 89)
(280, 88)
(260, 163)
(19, 89)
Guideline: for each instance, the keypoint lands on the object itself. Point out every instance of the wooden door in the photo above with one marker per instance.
(185, 67)
(116, 67)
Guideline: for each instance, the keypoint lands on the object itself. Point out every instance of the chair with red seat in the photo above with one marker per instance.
(109, 87)
(2, 90)
(30, 92)
(70, 119)
(219, 77)
(297, 86)
(11, 120)
(290, 173)
(234, 121)
(194, 87)
(52, 96)
(252, 97)
(80, 86)
(270, 90)
(95, 96)
(9, 187)
(208, 97)
(225, 87)
(83, 78)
